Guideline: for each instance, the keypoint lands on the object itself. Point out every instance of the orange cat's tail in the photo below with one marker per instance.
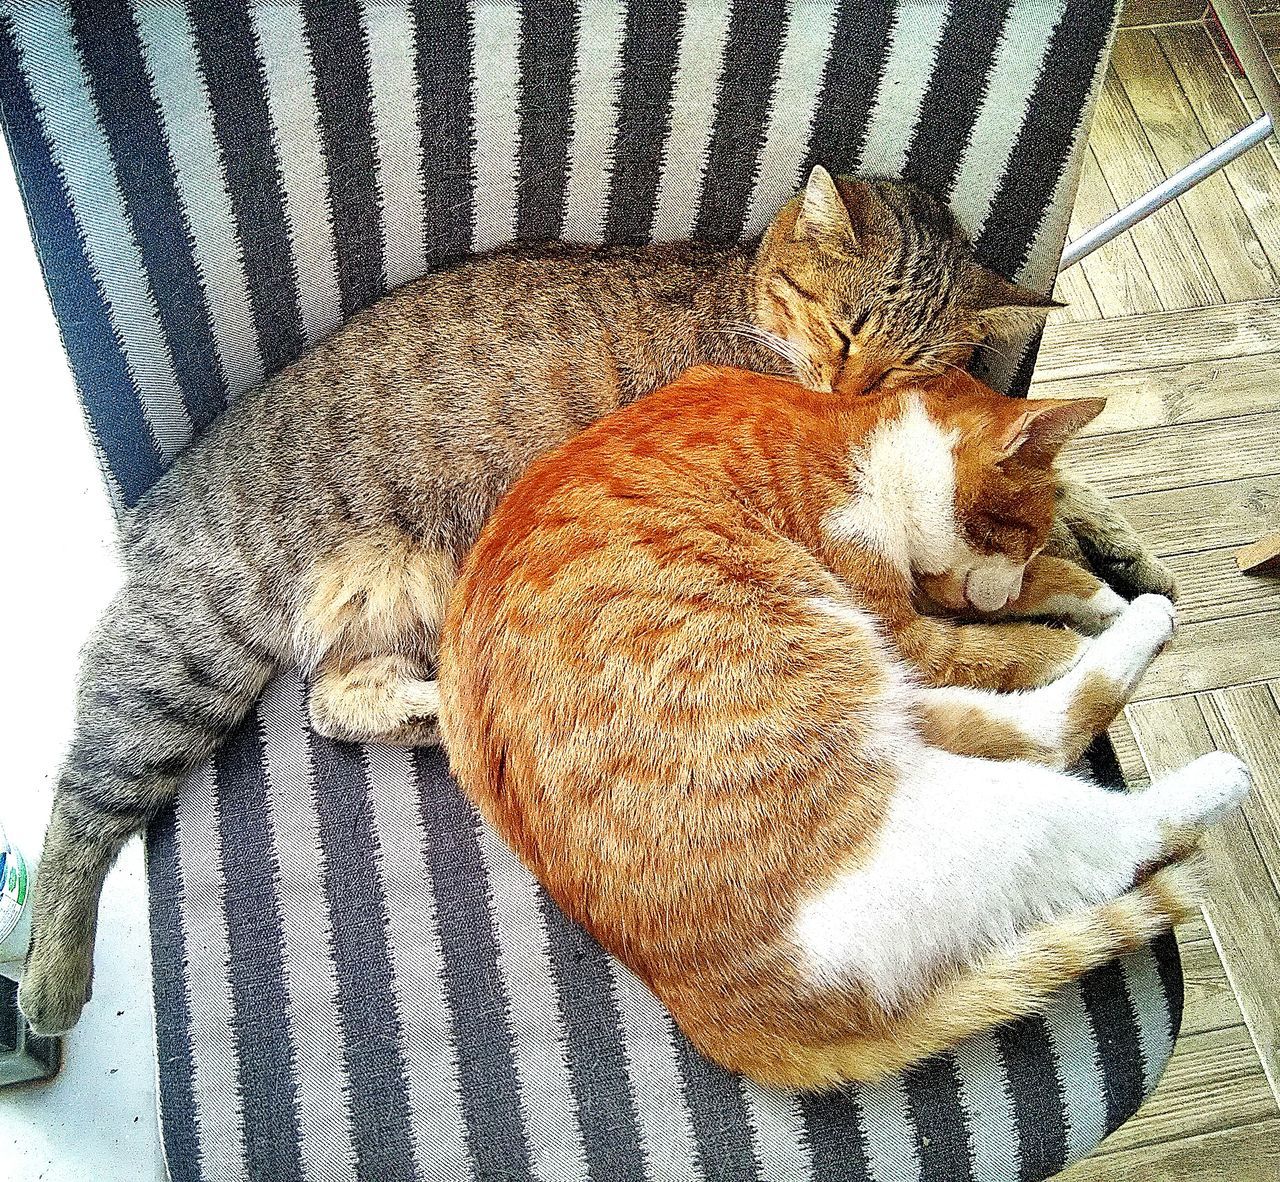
(1000, 988)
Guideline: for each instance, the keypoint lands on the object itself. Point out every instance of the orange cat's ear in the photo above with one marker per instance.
(1043, 429)
(823, 217)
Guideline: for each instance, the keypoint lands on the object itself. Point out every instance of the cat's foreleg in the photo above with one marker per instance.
(996, 656)
(1054, 588)
(1053, 724)
(162, 682)
(1108, 542)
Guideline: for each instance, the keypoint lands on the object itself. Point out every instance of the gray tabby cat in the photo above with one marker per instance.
(322, 520)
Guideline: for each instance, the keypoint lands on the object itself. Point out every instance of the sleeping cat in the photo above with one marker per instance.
(683, 675)
(321, 521)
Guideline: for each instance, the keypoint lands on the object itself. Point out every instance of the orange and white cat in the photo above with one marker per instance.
(685, 676)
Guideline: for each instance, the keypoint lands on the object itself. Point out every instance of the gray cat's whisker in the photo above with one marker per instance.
(787, 350)
(783, 347)
(949, 365)
(969, 345)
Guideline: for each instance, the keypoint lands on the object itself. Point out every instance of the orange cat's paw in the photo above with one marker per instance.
(1201, 793)
(1126, 649)
(1090, 616)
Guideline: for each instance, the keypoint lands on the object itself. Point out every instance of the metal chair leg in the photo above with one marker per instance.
(1243, 36)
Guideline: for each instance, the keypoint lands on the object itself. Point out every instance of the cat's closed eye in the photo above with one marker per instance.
(994, 531)
(844, 344)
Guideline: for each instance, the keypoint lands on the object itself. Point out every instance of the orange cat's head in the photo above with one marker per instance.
(992, 486)
(867, 280)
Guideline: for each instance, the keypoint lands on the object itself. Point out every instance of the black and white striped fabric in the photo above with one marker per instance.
(354, 979)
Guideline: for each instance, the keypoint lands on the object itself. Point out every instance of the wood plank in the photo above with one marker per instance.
(1137, 13)
(1246, 1153)
(1072, 289)
(1118, 281)
(1212, 1082)
(1190, 393)
(1268, 25)
(1127, 753)
(1170, 733)
(1226, 513)
(1204, 79)
(1209, 1001)
(1173, 457)
(1194, 931)
(1159, 339)
(1072, 286)
(1245, 719)
(1242, 907)
(1215, 216)
(1250, 100)
(1165, 242)
(1210, 587)
(1211, 654)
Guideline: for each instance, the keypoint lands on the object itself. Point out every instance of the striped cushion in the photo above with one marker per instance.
(353, 977)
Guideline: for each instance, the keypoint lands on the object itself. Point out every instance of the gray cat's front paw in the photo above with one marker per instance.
(1132, 570)
(53, 991)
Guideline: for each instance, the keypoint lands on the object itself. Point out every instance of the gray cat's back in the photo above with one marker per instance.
(422, 409)
(443, 377)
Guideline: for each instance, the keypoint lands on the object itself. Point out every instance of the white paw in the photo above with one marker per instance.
(1090, 616)
(1126, 649)
(1204, 791)
(1102, 609)
(1153, 617)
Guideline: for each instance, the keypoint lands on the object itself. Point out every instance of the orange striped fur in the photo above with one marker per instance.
(686, 675)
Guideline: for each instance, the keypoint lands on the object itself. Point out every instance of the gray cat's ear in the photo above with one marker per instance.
(1003, 303)
(823, 216)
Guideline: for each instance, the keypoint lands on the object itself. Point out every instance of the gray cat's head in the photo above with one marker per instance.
(865, 281)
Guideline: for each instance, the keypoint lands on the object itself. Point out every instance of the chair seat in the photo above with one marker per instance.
(356, 978)
(353, 977)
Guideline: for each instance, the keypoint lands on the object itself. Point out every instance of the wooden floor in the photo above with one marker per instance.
(1178, 323)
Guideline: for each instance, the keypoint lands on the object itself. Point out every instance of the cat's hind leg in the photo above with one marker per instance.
(165, 678)
(1007, 881)
(1053, 724)
(1019, 978)
(367, 629)
(385, 699)
(1007, 984)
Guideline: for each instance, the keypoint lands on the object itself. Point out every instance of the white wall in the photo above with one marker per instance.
(97, 1120)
